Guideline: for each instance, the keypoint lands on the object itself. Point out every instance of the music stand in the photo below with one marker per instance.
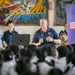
(21, 39)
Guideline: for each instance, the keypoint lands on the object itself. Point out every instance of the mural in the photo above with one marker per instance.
(60, 7)
(22, 11)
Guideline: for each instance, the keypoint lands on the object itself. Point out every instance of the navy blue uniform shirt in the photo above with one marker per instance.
(40, 34)
(7, 36)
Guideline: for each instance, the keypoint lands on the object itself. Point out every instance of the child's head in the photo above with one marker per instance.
(14, 49)
(55, 71)
(8, 55)
(63, 51)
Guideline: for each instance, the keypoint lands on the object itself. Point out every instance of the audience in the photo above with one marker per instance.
(31, 60)
(71, 65)
(43, 66)
(8, 67)
(23, 66)
(15, 49)
(63, 52)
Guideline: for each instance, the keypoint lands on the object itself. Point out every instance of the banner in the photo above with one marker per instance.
(70, 13)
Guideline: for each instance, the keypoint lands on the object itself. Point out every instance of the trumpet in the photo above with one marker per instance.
(64, 37)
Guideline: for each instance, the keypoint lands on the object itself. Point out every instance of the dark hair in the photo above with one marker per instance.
(32, 49)
(55, 71)
(43, 18)
(8, 55)
(52, 50)
(70, 59)
(9, 22)
(26, 53)
(1, 60)
(45, 51)
(14, 48)
(73, 45)
(63, 51)
(71, 49)
(73, 59)
(23, 65)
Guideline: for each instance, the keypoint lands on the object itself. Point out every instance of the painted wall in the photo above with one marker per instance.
(31, 29)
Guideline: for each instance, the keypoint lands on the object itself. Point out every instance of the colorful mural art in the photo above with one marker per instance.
(60, 11)
(22, 11)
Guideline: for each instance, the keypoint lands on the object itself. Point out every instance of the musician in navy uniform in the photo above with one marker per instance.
(63, 35)
(7, 36)
(45, 36)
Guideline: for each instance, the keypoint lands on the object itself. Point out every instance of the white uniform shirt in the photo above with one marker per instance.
(1, 34)
(8, 68)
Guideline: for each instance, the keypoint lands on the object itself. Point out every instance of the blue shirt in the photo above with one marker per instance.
(7, 36)
(40, 34)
